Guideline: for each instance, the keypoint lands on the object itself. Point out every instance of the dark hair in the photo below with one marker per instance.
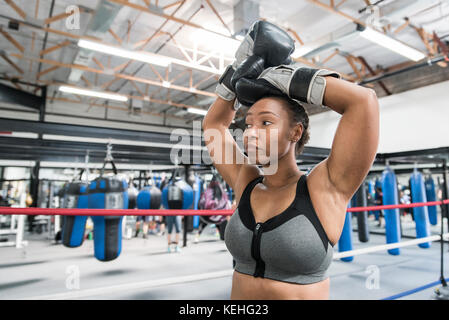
(299, 115)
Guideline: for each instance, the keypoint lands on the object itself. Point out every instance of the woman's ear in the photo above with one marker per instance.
(297, 132)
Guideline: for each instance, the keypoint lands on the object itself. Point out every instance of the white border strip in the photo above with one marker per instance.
(352, 253)
(132, 286)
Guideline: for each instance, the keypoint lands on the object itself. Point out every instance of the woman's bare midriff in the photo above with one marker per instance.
(246, 287)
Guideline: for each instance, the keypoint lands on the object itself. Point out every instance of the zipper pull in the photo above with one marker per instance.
(258, 226)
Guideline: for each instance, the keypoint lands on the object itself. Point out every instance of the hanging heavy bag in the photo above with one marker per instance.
(73, 227)
(177, 194)
(390, 197)
(108, 193)
(360, 200)
(149, 197)
(421, 214)
(431, 196)
(132, 196)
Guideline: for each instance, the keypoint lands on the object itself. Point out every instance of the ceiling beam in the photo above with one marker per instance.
(12, 40)
(116, 75)
(10, 62)
(335, 11)
(55, 47)
(162, 15)
(219, 17)
(16, 8)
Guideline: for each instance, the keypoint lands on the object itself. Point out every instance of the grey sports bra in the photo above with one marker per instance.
(290, 247)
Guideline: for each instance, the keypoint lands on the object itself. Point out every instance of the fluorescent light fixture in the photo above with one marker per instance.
(197, 111)
(147, 57)
(390, 43)
(92, 93)
(214, 41)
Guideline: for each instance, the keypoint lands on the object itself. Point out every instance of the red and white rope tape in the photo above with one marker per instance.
(172, 212)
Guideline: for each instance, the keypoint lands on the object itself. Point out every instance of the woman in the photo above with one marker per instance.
(286, 223)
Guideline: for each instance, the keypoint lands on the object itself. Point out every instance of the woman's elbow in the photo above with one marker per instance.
(371, 98)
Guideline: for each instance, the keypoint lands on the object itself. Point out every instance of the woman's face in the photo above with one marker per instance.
(269, 134)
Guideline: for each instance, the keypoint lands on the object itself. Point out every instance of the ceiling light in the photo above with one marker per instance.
(91, 93)
(197, 111)
(390, 43)
(147, 57)
(214, 41)
(166, 84)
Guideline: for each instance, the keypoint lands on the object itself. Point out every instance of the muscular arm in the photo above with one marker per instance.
(226, 155)
(357, 137)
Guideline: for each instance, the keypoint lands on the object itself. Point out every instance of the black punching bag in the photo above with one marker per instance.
(362, 217)
(132, 196)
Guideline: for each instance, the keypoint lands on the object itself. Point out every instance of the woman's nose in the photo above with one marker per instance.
(252, 133)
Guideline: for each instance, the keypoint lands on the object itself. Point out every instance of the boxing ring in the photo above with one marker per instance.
(442, 237)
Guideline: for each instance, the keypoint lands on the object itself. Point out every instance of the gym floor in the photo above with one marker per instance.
(202, 271)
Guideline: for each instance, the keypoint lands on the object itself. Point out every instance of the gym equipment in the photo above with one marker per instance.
(108, 193)
(390, 196)
(73, 227)
(431, 196)
(177, 194)
(362, 217)
(132, 196)
(418, 194)
(150, 197)
(345, 241)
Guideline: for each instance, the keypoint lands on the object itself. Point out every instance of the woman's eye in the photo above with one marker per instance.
(266, 123)
(247, 125)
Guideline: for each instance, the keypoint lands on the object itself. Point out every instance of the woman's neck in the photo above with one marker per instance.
(287, 172)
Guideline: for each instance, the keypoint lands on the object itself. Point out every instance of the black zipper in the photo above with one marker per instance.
(255, 251)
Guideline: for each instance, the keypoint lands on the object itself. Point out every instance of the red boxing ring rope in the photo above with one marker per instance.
(166, 212)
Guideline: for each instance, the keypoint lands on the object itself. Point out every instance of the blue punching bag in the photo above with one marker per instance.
(157, 181)
(345, 241)
(431, 196)
(108, 193)
(390, 197)
(421, 214)
(73, 227)
(149, 197)
(177, 194)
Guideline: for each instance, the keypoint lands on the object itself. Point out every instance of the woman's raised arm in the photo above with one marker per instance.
(357, 137)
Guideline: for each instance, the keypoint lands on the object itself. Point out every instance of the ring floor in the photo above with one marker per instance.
(201, 271)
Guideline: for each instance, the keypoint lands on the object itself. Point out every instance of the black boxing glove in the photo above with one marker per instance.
(269, 44)
(299, 83)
